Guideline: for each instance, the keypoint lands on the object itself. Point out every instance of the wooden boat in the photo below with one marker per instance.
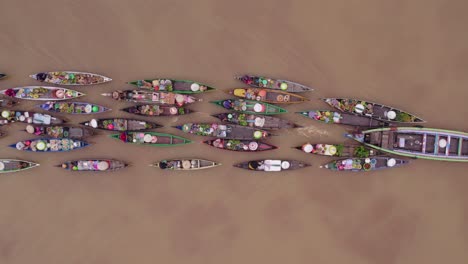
(60, 131)
(250, 107)
(14, 165)
(185, 164)
(372, 110)
(70, 78)
(331, 117)
(156, 110)
(94, 165)
(239, 145)
(174, 86)
(415, 142)
(339, 150)
(42, 93)
(223, 131)
(2, 75)
(151, 139)
(49, 145)
(120, 124)
(264, 82)
(268, 96)
(8, 102)
(257, 121)
(73, 108)
(163, 98)
(271, 165)
(365, 164)
(31, 117)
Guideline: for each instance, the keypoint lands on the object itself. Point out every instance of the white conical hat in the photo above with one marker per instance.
(103, 165)
(93, 123)
(359, 108)
(442, 143)
(147, 138)
(2, 166)
(307, 148)
(253, 145)
(41, 145)
(186, 164)
(88, 108)
(259, 121)
(179, 98)
(391, 162)
(258, 107)
(19, 145)
(391, 114)
(285, 165)
(30, 129)
(195, 87)
(5, 114)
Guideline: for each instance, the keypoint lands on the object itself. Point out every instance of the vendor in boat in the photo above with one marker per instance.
(163, 165)
(41, 76)
(254, 165)
(122, 95)
(228, 104)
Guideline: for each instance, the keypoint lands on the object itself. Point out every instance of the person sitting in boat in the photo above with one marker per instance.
(10, 92)
(163, 165)
(41, 76)
(228, 104)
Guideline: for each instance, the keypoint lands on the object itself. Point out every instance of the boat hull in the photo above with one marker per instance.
(240, 145)
(264, 82)
(151, 139)
(156, 110)
(257, 121)
(42, 93)
(31, 118)
(415, 142)
(162, 98)
(94, 165)
(174, 86)
(223, 131)
(372, 110)
(365, 164)
(271, 165)
(70, 78)
(250, 107)
(268, 96)
(60, 131)
(331, 117)
(49, 145)
(121, 124)
(14, 165)
(76, 108)
(339, 150)
(186, 164)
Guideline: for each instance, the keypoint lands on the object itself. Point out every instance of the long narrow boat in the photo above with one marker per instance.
(2, 75)
(120, 124)
(415, 142)
(250, 107)
(174, 86)
(31, 117)
(70, 78)
(42, 93)
(223, 131)
(365, 164)
(157, 110)
(8, 101)
(372, 110)
(73, 108)
(186, 164)
(14, 165)
(264, 82)
(271, 165)
(268, 96)
(331, 117)
(257, 121)
(239, 145)
(49, 145)
(151, 139)
(339, 150)
(60, 131)
(94, 165)
(163, 98)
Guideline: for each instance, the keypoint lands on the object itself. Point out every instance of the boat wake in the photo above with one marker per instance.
(310, 131)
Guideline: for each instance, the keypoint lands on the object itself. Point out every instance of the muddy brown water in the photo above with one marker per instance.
(411, 55)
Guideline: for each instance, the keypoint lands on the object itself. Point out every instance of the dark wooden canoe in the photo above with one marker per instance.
(70, 78)
(264, 82)
(174, 86)
(8, 101)
(14, 165)
(331, 117)
(49, 145)
(372, 110)
(223, 131)
(416, 142)
(365, 164)
(157, 110)
(239, 145)
(186, 164)
(268, 96)
(141, 96)
(31, 117)
(121, 124)
(60, 131)
(154, 139)
(339, 150)
(99, 165)
(82, 108)
(258, 121)
(250, 107)
(271, 165)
